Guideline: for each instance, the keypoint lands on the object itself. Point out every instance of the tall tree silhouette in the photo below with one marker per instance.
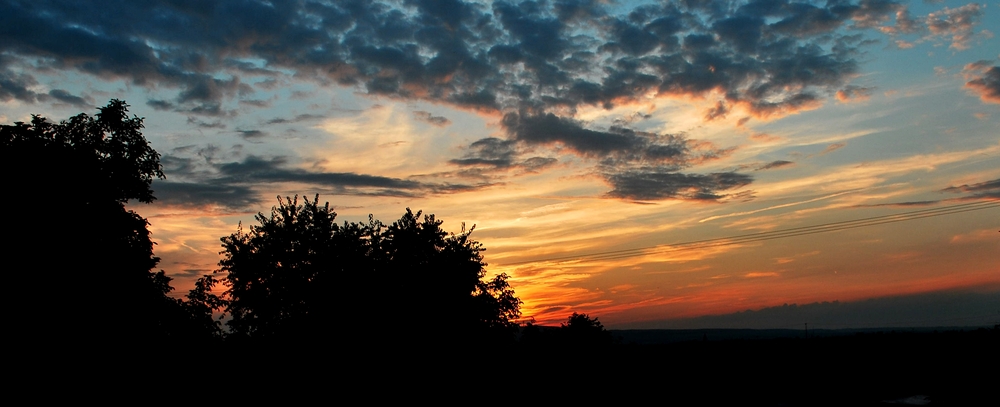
(298, 274)
(80, 262)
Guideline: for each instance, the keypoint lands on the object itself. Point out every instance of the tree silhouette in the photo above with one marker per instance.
(581, 329)
(80, 262)
(578, 330)
(298, 274)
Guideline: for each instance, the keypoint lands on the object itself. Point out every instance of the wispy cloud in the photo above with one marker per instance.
(773, 207)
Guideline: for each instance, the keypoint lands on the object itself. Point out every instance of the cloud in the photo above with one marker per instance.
(252, 135)
(984, 190)
(764, 137)
(829, 149)
(213, 176)
(905, 24)
(263, 170)
(534, 64)
(233, 197)
(985, 80)
(774, 164)
(504, 56)
(490, 151)
(160, 104)
(68, 98)
(257, 170)
(655, 184)
(956, 23)
(759, 274)
(494, 154)
(987, 189)
(779, 206)
(431, 119)
(719, 111)
(255, 102)
(205, 125)
(853, 93)
(617, 144)
(638, 165)
(899, 204)
(298, 118)
(15, 85)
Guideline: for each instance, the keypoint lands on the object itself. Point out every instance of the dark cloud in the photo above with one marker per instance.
(764, 54)
(252, 135)
(207, 109)
(14, 85)
(205, 125)
(255, 102)
(256, 170)
(534, 62)
(983, 190)
(160, 104)
(536, 164)
(987, 189)
(206, 89)
(719, 111)
(493, 154)
(250, 68)
(298, 118)
(233, 197)
(616, 144)
(656, 184)
(68, 98)
(638, 165)
(490, 151)
(201, 178)
(773, 165)
(429, 118)
(260, 170)
(985, 80)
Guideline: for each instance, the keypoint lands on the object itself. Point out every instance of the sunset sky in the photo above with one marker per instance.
(579, 137)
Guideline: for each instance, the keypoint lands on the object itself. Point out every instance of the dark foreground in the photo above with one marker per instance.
(871, 368)
(955, 368)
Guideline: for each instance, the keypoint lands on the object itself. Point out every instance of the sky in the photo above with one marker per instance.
(591, 143)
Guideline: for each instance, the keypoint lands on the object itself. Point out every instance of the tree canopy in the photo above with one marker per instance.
(578, 330)
(297, 273)
(84, 262)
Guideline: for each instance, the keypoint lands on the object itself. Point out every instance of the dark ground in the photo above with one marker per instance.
(713, 367)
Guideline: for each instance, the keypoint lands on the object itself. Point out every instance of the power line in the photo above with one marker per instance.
(763, 236)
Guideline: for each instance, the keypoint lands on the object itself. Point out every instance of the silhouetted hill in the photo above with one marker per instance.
(667, 336)
(948, 308)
